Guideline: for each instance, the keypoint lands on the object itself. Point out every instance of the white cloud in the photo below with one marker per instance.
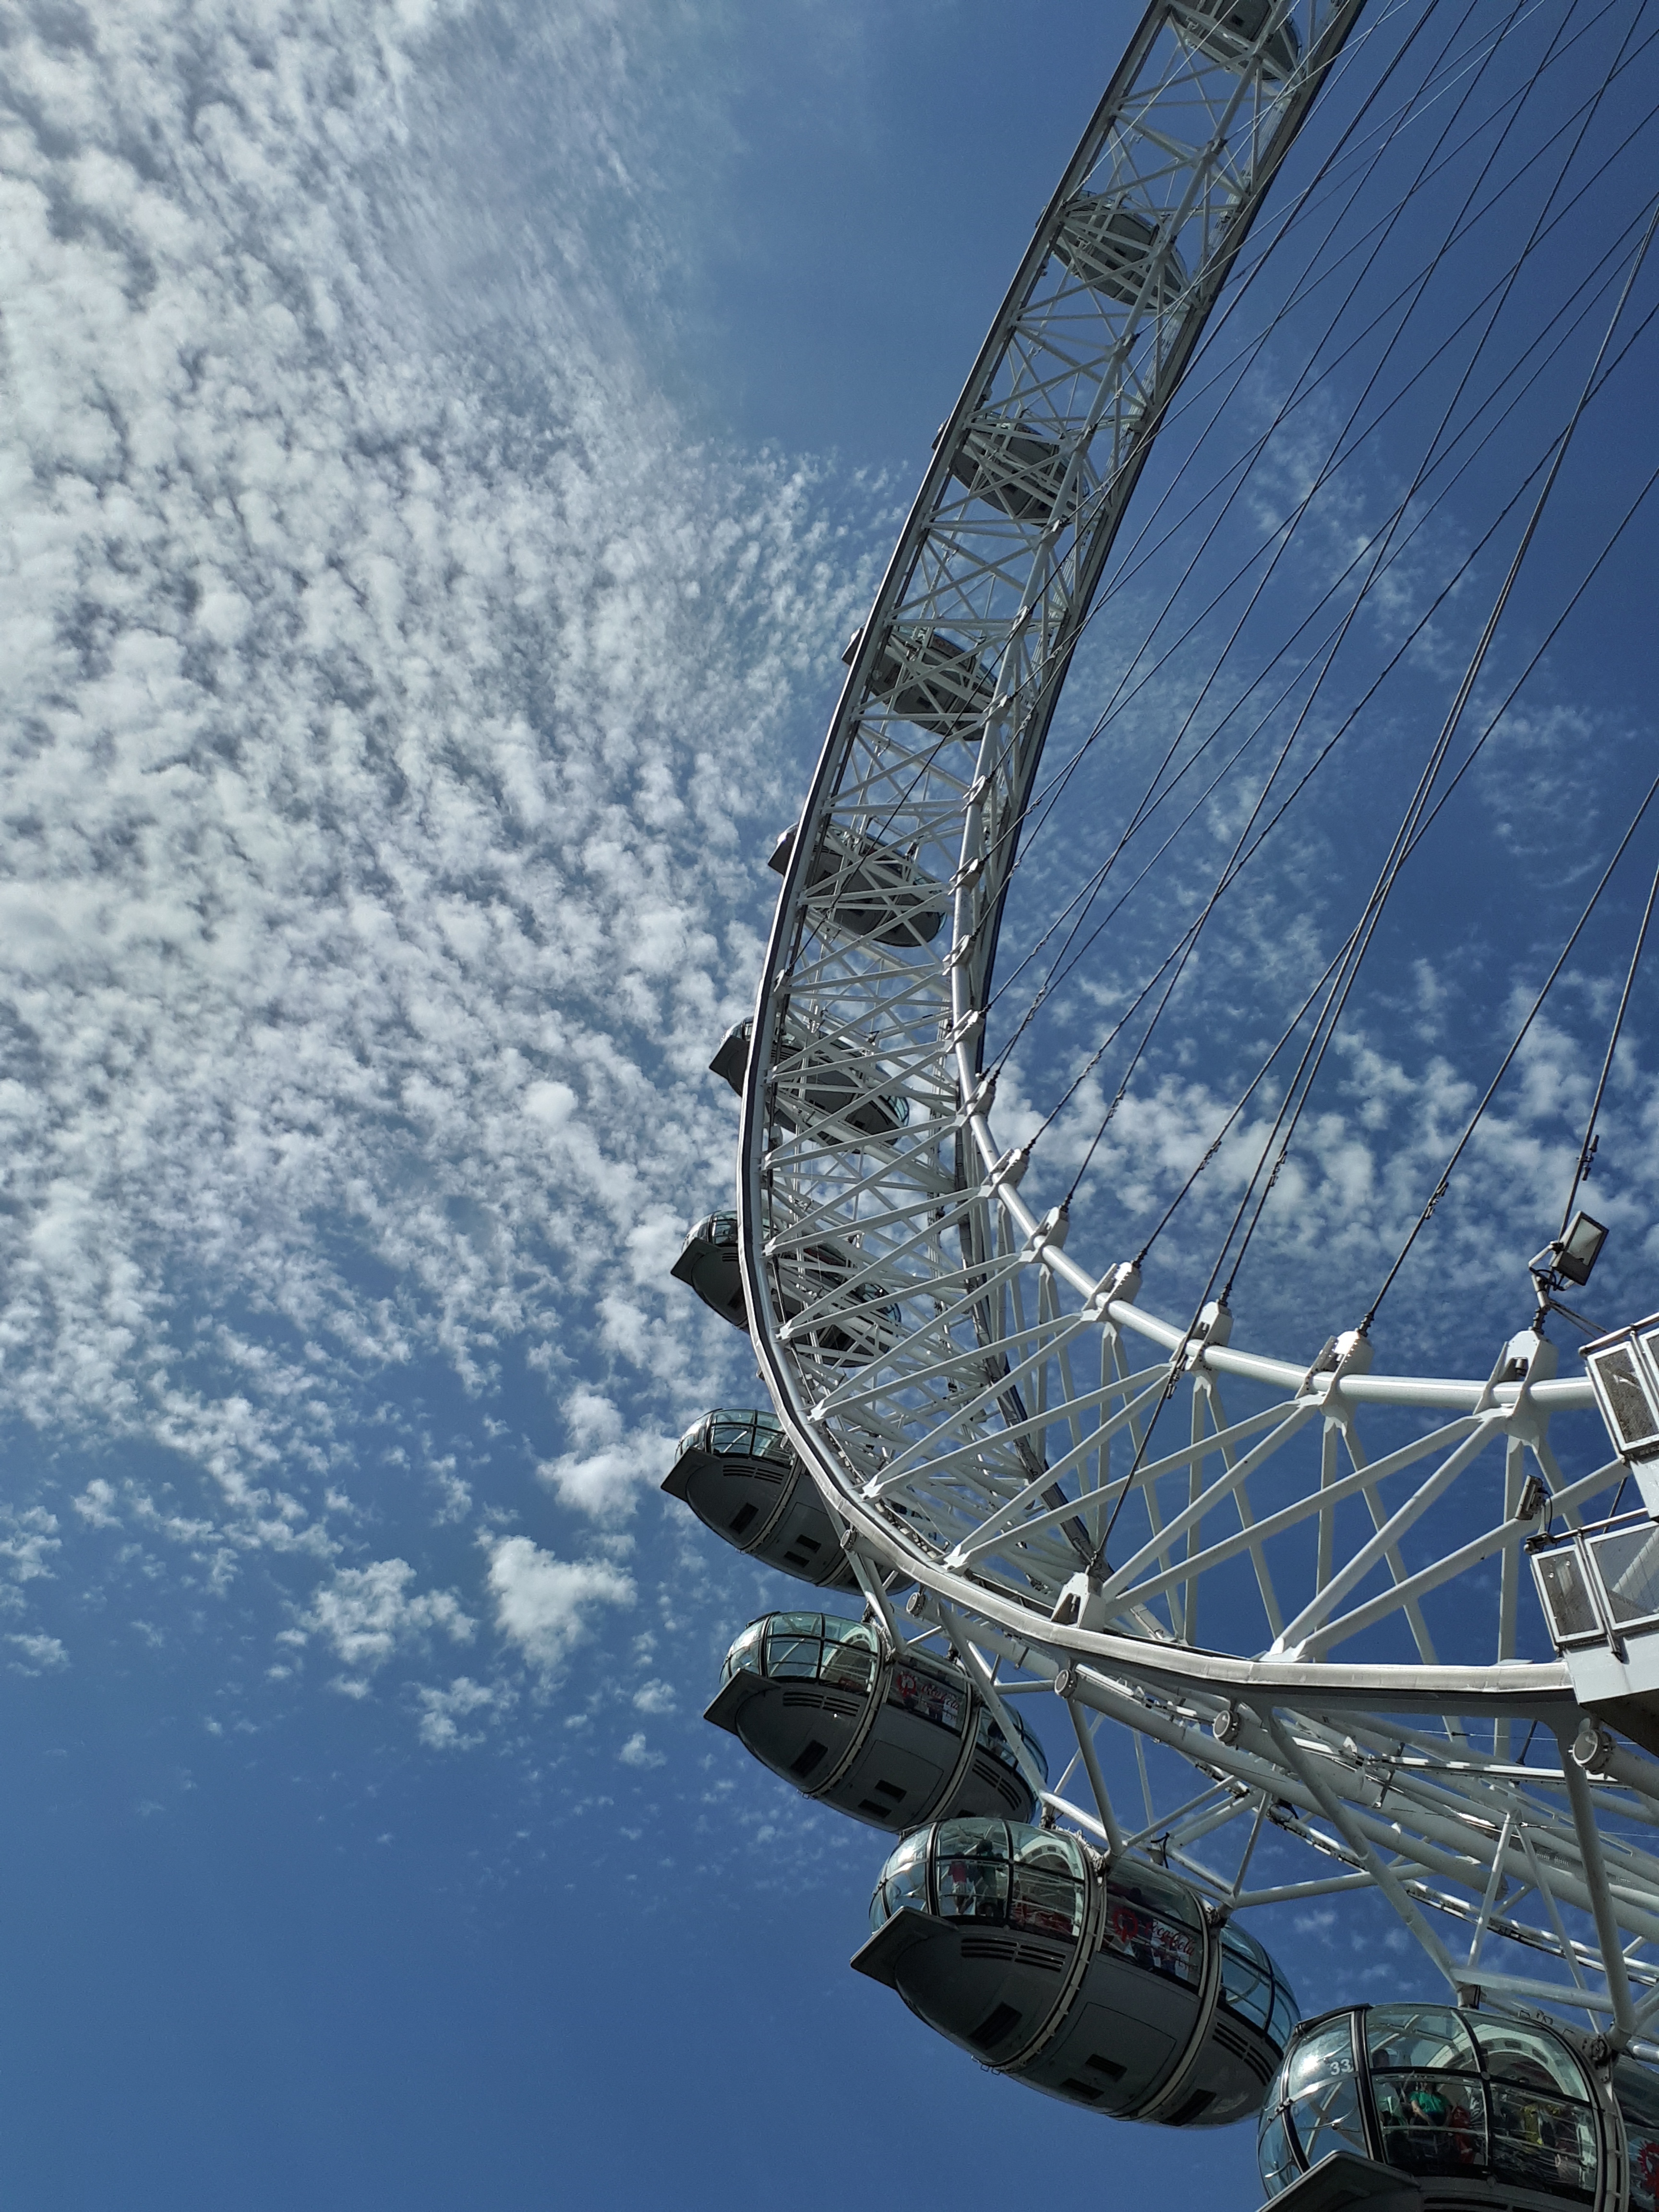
(367, 1613)
(40, 1654)
(655, 1697)
(602, 1476)
(30, 1542)
(385, 704)
(96, 1505)
(545, 1605)
(443, 1711)
(636, 1753)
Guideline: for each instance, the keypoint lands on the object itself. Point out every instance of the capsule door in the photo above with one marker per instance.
(1140, 2006)
(915, 1748)
(803, 1541)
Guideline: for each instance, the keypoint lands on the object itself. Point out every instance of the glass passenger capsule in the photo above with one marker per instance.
(825, 1078)
(1430, 2104)
(1238, 24)
(1109, 247)
(935, 681)
(708, 1263)
(1111, 1988)
(859, 1325)
(736, 1471)
(890, 1737)
(868, 889)
(1011, 464)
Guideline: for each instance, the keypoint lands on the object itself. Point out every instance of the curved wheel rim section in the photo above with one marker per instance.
(923, 1333)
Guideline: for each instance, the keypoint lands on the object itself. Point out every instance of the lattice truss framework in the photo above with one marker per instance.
(971, 1401)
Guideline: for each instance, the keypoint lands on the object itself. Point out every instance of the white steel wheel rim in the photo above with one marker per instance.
(872, 1257)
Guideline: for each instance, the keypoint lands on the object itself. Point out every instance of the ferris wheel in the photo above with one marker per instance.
(1397, 1622)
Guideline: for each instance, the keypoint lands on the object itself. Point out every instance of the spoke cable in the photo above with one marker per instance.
(1284, 806)
(1332, 1016)
(1428, 822)
(1325, 1027)
(1299, 394)
(1587, 1149)
(1492, 724)
(1441, 1187)
(1085, 897)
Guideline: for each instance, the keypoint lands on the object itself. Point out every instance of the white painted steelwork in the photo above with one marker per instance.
(970, 1397)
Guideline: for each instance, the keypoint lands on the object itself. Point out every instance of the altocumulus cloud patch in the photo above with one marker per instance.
(384, 713)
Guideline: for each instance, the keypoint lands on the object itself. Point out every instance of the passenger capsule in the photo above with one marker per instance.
(932, 680)
(870, 890)
(1109, 247)
(1238, 25)
(708, 1262)
(1109, 1986)
(1011, 466)
(891, 1737)
(860, 1327)
(1485, 2110)
(737, 1474)
(803, 1277)
(826, 1079)
(731, 1061)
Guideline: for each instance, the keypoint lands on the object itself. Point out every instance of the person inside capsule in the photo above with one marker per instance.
(1435, 2092)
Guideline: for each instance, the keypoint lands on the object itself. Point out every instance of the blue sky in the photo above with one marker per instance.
(444, 447)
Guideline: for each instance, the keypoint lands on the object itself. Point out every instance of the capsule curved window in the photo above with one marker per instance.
(1636, 2091)
(1231, 30)
(815, 1077)
(736, 1472)
(891, 1737)
(1109, 1987)
(1505, 2106)
(708, 1264)
(1012, 464)
(934, 681)
(867, 889)
(1109, 246)
(860, 1323)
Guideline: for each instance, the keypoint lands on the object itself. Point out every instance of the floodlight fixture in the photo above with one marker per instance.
(1577, 1252)
(1568, 1258)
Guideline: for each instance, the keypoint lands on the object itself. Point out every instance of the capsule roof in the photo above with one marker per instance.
(1012, 465)
(935, 681)
(1233, 29)
(869, 889)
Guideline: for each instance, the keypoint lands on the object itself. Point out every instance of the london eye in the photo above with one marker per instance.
(1259, 558)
